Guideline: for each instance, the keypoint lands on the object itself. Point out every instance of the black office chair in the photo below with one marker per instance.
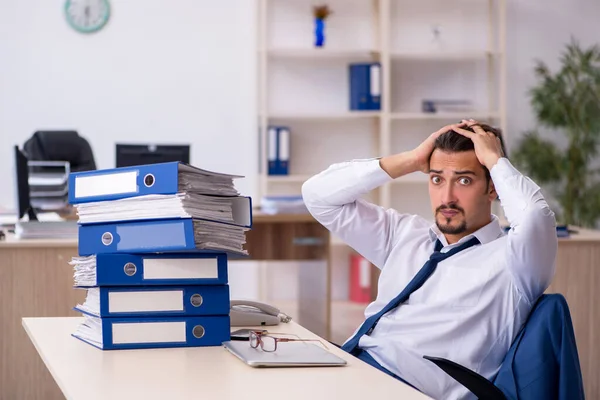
(60, 146)
(542, 363)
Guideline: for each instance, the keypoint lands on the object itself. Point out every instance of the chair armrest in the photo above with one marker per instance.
(477, 384)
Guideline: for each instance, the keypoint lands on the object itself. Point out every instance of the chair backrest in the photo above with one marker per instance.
(60, 146)
(543, 362)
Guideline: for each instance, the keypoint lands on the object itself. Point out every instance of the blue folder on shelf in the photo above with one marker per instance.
(156, 332)
(123, 182)
(155, 236)
(150, 269)
(278, 158)
(365, 86)
(150, 301)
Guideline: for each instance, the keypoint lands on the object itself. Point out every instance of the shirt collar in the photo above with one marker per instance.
(485, 234)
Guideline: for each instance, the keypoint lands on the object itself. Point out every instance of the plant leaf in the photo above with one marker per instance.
(588, 206)
(538, 158)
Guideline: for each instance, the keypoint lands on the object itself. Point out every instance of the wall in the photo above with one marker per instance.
(160, 72)
(151, 75)
(538, 30)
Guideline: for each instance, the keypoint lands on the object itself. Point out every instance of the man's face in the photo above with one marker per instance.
(459, 192)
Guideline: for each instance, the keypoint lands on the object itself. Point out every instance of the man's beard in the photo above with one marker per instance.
(449, 229)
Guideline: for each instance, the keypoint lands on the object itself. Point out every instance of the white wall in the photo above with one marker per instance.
(161, 71)
(184, 71)
(539, 29)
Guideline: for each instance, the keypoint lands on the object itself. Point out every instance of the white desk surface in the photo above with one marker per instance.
(84, 372)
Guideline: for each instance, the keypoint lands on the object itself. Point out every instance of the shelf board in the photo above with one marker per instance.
(455, 116)
(299, 178)
(325, 117)
(323, 53)
(443, 56)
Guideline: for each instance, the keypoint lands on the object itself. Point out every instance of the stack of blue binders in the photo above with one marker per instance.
(154, 263)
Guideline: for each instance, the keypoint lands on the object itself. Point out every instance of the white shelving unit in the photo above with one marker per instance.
(306, 88)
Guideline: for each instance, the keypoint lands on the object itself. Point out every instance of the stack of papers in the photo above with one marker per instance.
(90, 330)
(84, 270)
(91, 305)
(48, 185)
(283, 205)
(210, 235)
(200, 181)
(46, 230)
(230, 210)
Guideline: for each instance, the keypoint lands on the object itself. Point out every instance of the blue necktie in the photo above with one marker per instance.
(418, 281)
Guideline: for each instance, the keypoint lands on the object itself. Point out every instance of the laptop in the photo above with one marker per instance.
(287, 355)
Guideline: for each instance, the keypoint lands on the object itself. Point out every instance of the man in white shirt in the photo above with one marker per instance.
(473, 304)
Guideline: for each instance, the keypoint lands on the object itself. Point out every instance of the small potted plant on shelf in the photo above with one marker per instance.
(567, 101)
(320, 14)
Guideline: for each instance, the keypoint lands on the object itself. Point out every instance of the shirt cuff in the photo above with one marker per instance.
(370, 173)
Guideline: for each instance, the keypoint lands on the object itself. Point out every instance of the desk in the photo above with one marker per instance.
(578, 279)
(37, 281)
(86, 373)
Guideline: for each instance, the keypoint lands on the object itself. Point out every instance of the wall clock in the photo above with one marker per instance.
(87, 16)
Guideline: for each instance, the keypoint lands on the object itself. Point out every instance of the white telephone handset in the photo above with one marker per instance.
(253, 313)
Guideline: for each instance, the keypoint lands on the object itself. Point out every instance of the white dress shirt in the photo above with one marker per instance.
(473, 305)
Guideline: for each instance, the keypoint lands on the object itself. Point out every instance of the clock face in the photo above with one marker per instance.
(87, 15)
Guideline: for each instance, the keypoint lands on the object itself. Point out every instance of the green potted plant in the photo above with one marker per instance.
(567, 101)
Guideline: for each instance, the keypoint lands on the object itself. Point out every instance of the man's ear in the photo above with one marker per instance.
(492, 191)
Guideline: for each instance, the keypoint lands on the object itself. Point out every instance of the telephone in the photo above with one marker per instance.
(253, 313)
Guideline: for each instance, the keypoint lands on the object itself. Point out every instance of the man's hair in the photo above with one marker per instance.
(453, 142)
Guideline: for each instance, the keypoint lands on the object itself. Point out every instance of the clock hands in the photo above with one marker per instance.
(87, 15)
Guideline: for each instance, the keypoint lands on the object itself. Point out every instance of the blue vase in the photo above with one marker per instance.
(319, 32)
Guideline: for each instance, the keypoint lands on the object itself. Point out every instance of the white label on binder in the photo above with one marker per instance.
(375, 80)
(148, 332)
(284, 144)
(106, 184)
(145, 301)
(180, 268)
(272, 142)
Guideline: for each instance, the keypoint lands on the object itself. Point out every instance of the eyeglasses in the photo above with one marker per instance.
(268, 342)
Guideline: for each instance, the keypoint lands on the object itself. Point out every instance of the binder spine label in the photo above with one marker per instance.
(193, 268)
(106, 184)
(145, 301)
(171, 234)
(375, 75)
(148, 332)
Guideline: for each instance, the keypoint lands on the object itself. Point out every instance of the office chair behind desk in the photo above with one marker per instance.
(542, 362)
(61, 146)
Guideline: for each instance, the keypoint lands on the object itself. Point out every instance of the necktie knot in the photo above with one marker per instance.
(438, 255)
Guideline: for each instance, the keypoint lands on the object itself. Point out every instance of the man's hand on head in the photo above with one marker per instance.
(422, 153)
(416, 159)
(488, 148)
